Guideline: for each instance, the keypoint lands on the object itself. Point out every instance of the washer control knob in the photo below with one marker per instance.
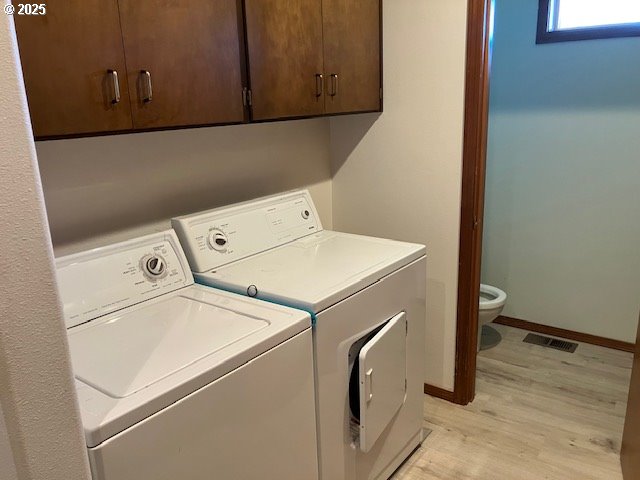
(154, 266)
(218, 240)
(305, 214)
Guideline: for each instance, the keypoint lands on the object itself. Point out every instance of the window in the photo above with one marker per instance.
(567, 20)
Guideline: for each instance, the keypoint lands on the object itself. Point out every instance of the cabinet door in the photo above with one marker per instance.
(284, 41)
(184, 61)
(352, 38)
(67, 58)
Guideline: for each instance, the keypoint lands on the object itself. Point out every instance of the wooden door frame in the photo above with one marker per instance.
(630, 448)
(476, 112)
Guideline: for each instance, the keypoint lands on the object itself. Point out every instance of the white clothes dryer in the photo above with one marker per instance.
(181, 381)
(367, 300)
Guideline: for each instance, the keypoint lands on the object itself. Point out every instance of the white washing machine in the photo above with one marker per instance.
(180, 381)
(367, 299)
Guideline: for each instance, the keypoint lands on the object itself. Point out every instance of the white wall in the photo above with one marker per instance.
(40, 432)
(562, 212)
(96, 186)
(398, 174)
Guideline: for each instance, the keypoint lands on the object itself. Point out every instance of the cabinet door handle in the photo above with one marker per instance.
(319, 84)
(147, 76)
(334, 84)
(116, 86)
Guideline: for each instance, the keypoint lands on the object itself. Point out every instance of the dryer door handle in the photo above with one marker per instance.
(368, 387)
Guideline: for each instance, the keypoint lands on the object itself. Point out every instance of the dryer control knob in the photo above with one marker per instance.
(218, 240)
(305, 214)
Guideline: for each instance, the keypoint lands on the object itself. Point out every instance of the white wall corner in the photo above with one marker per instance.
(41, 432)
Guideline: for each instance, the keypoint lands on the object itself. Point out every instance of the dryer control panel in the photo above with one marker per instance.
(217, 237)
(106, 279)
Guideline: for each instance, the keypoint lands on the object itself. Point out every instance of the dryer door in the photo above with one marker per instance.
(383, 373)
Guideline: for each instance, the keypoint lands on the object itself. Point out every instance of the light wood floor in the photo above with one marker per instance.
(538, 414)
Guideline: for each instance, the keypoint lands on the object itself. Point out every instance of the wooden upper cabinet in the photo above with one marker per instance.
(284, 43)
(184, 61)
(352, 39)
(96, 66)
(70, 59)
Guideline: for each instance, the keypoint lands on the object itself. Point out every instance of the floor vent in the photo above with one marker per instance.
(543, 341)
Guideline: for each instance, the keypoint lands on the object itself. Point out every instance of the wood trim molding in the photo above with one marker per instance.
(567, 334)
(476, 112)
(438, 392)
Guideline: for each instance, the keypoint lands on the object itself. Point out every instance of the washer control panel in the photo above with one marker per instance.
(224, 235)
(101, 281)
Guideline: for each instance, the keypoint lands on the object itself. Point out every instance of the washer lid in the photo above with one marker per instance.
(135, 362)
(135, 349)
(314, 272)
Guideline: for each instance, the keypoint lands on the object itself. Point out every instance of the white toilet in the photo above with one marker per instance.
(492, 302)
